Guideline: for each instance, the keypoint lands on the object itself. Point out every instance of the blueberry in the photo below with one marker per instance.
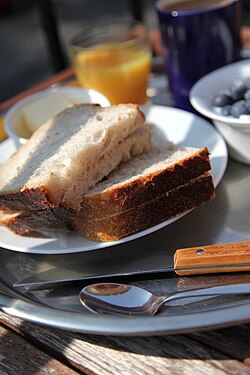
(234, 101)
(238, 108)
(247, 96)
(222, 98)
(247, 83)
(226, 110)
(237, 89)
(248, 106)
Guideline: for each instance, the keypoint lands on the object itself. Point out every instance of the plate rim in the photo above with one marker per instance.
(42, 314)
(102, 245)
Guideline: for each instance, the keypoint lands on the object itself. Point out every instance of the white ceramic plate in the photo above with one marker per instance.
(177, 126)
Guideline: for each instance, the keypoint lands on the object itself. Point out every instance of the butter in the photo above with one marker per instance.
(41, 110)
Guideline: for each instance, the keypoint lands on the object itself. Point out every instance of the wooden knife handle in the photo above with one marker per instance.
(235, 253)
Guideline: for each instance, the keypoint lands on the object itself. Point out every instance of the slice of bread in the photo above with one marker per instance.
(166, 206)
(70, 154)
(144, 178)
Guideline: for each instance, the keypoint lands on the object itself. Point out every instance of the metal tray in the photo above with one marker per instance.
(226, 219)
(61, 308)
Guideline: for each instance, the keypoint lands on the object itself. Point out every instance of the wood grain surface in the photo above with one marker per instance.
(224, 351)
(18, 356)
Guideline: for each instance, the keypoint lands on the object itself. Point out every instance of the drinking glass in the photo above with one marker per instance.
(114, 59)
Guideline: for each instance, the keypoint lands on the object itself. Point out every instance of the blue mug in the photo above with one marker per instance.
(198, 36)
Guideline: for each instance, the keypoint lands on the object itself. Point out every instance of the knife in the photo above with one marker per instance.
(230, 257)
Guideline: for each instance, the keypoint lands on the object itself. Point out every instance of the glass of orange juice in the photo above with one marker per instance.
(114, 59)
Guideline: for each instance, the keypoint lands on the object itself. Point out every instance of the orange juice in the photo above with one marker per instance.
(119, 72)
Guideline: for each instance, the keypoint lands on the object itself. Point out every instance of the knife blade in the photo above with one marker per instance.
(230, 257)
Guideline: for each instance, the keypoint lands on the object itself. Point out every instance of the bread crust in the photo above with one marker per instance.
(146, 187)
(27, 222)
(153, 212)
(27, 199)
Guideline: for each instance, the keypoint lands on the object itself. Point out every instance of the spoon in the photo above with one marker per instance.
(128, 299)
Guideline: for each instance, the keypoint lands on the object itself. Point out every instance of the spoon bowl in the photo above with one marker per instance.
(125, 299)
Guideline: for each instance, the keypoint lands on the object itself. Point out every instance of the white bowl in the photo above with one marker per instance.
(236, 132)
(13, 122)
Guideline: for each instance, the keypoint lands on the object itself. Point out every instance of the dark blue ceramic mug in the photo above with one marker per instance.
(198, 36)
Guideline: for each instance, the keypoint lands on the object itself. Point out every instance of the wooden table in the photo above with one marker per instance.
(27, 348)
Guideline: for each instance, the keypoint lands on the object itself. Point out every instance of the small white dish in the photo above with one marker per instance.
(177, 126)
(13, 123)
(235, 131)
